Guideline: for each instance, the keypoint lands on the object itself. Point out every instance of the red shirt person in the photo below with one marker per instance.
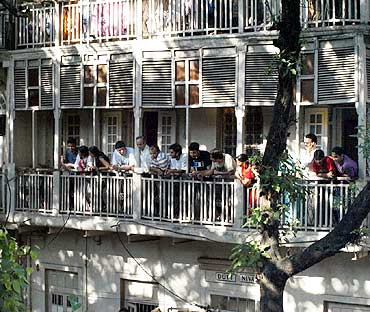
(323, 166)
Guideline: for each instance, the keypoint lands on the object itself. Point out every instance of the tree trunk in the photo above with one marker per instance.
(272, 284)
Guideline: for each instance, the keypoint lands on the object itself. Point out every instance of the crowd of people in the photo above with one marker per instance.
(316, 163)
(199, 163)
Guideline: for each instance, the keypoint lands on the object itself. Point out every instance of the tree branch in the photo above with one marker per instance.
(334, 241)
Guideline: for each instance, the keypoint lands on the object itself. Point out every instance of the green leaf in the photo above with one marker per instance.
(17, 286)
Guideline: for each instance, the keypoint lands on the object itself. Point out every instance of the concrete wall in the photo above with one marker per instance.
(178, 266)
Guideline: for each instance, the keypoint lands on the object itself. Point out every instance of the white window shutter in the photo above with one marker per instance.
(121, 83)
(70, 85)
(261, 78)
(219, 81)
(336, 79)
(156, 83)
(46, 86)
(20, 87)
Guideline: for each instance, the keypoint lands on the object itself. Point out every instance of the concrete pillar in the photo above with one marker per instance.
(362, 96)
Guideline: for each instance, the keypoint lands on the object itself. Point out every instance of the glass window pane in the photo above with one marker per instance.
(102, 96)
(194, 70)
(307, 90)
(33, 97)
(308, 64)
(193, 94)
(180, 95)
(88, 74)
(88, 96)
(33, 77)
(233, 305)
(319, 118)
(180, 71)
(312, 118)
(102, 73)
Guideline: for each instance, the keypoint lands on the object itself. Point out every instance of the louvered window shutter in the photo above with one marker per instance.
(46, 86)
(368, 72)
(20, 87)
(336, 79)
(219, 81)
(121, 83)
(260, 78)
(156, 83)
(70, 85)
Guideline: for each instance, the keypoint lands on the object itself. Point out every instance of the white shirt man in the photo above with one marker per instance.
(179, 161)
(310, 142)
(123, 157)
(144, 153)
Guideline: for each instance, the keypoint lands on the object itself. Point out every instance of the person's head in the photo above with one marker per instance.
(140, 142)
(175, 150)
(337, 154)
(71, 144)
(194, 150)
(241, 159)
(318, 156)
(217, 156)
(310, 141)
(94, 151)
(154, 151)
(120, 147)
(83, 151)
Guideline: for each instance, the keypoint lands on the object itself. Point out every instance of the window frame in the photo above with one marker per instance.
(308, 77)
(187, 82)
(66, 125)
(33, 64)
(105, 143)
(95, 85)
(324, 124)
(53, 290)
(256, 146)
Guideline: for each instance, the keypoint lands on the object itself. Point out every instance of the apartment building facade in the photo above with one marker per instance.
(174, 71)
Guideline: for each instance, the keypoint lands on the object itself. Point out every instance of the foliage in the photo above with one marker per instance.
(364, 135)
(13, 276)
(74, 301)
(285, 186)
(248, 254)
(284, 183)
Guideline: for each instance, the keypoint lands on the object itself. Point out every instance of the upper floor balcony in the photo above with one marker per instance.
(212, 208)
(71, 22)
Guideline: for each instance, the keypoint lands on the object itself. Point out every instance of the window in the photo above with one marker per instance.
(307, 77)
(33, 89)
(187, 82)
(95, 85)
(253, 125)
(73, 128)
(63, 291)
(111, 132)
(138, 296)
(232, 304)
(166, 130)
(316, 122)
(229, 131)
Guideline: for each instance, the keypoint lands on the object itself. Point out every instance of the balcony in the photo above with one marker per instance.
(71, 22)
(213, 205)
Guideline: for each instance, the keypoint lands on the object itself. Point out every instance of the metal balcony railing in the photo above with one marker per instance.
(172, 200)
(109, 195)
(37, 26)
(71, 22)
(33, 192)
(177, 199)
(321, 13)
